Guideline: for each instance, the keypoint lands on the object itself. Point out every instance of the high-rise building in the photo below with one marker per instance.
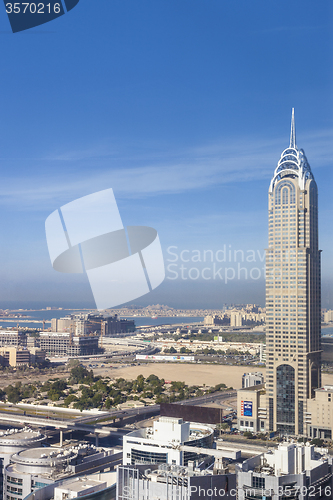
(293, 353)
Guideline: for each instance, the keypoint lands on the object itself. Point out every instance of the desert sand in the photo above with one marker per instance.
(191, 374)
(196, 374)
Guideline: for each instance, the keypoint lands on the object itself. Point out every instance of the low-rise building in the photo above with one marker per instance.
(15, 440)
(20, 356)
(60, 344)
(161, 443)
(173, 482)
(13, 338)
(14, 356)
(294, 471)
(251, 409)
(319, 415)
(86, 324)
(78, 487)
(250, 379)
(37, 356)
(32, 469)
(198, 345)
(100, 486)
(214, 320)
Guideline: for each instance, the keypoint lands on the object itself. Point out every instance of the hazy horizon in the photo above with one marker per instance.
(183, 108)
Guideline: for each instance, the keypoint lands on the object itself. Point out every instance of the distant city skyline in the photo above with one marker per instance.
(182, 109)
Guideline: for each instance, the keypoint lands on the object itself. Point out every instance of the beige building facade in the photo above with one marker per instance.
(328, 316)
(251, 409)
(319, 416)
(293, 313)
(14, 356)
(18, 356)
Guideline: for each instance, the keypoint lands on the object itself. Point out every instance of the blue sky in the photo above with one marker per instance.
(183, 108)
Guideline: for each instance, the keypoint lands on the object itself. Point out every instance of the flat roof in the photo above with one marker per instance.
(327, 388)
(11, 332)
(257, 387)
(79, 484)
(19, 435)
(45, 454)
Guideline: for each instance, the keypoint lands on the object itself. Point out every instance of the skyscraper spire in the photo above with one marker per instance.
(293, 131)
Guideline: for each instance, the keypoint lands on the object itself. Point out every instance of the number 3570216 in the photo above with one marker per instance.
(32, 8)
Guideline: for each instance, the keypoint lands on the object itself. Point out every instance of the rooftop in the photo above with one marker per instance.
(80, 484)
(253, 388)
(16, 436)
(44, 456)
(325, 388)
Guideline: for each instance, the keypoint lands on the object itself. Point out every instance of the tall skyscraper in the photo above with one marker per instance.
(293, 354)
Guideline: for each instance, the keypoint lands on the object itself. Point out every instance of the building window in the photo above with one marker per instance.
(148, 457)
(258, 482)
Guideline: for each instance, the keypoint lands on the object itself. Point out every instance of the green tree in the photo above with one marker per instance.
(14, 393)
(317, 442)
(248, 435)
(225, 426)
(69, 399)
(79, 374)
(108, 403)
(139, 384)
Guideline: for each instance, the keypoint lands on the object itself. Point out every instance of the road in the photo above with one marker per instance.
(152, 408)
(81, 423)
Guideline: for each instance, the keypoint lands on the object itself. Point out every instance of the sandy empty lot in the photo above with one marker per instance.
(196, 374)
(191, 374)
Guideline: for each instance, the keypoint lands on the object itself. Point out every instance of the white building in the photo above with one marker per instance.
(32, 469)
(250, 379)
(100, 486)
(294, 471)
(160, 443)
(78, 487)
(15, 440)
(173, 482)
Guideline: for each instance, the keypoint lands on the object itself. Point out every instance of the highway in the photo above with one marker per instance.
(156, 408)
(56, 423)
(90, 423)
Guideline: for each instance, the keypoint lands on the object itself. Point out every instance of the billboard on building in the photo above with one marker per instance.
(246, 409)
(159, 357)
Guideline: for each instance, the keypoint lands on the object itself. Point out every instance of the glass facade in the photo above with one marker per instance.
(148, 457)
(285, 399)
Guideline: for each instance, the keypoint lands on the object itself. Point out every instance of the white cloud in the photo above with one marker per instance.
(163, 172)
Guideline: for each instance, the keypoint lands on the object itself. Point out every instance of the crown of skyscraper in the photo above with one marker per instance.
(293, 162)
